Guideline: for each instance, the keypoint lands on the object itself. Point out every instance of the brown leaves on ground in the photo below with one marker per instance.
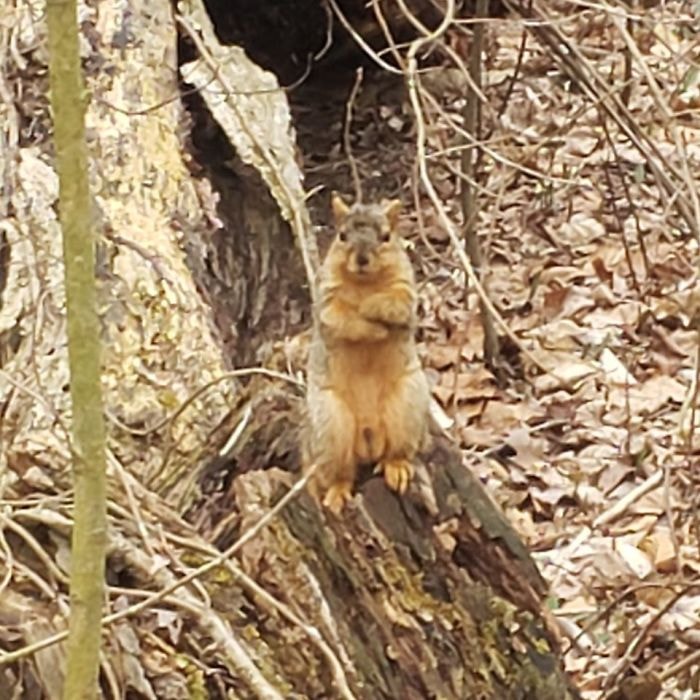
(598, 277)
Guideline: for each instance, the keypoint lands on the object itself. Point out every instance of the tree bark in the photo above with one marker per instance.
(431, 595)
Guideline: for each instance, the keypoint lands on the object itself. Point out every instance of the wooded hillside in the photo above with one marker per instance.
(547, 156)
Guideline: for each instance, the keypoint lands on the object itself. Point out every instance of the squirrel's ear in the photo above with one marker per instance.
(340, 209)
(392, 207)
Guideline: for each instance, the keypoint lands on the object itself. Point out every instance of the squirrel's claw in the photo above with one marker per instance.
(397, 474)
(337, 496)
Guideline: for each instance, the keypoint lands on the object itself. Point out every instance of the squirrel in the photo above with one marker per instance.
(367, 396)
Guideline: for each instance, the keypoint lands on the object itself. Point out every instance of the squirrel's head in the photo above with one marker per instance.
(366, 242)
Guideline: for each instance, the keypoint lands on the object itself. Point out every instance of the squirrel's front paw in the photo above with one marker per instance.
(337, 496)
(375, 331)
(385, 309)
(397, 474)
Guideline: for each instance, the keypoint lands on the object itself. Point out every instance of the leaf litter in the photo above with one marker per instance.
(599, 278)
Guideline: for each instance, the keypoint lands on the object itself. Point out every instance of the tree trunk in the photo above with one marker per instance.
(203, 263)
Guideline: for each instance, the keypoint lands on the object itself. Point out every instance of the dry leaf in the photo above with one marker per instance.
(635, 558)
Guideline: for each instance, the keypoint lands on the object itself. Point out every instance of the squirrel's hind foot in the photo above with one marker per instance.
(397, 474)
(337, 496)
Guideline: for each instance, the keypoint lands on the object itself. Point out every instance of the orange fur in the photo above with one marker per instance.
(367, 395)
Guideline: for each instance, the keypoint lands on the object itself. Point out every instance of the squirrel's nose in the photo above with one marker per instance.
(362, 259)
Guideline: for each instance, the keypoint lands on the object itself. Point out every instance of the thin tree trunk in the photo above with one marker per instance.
(470, 204)
(88, 431)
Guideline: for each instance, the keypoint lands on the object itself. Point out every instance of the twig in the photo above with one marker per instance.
(110, 675)
(608, 515)
(235, 436)
(649, 484)
(216, 628)
(609, 607)
(393, 48)
(234, 374)
(311, 632)
(134, 508)
(132, 610)
(635, 647)
(516, 73)
(595, 87)
(181, 93)
(412, 82)
(621, 224)
(675, 670)
(686, 427)
(9, 561)
(667, 116)
(454, 56)
(495, 155)
(627, 74)
(346, 135)
(632, 206)
(668, 508)
(329, 34)
(36, 548)
(361, 42)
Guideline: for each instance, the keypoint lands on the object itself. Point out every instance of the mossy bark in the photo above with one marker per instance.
(427, 596)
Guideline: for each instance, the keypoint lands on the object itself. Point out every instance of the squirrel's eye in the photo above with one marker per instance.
(386, 237)
(342, 237)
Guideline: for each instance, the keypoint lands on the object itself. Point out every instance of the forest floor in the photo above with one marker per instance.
(590, 445)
